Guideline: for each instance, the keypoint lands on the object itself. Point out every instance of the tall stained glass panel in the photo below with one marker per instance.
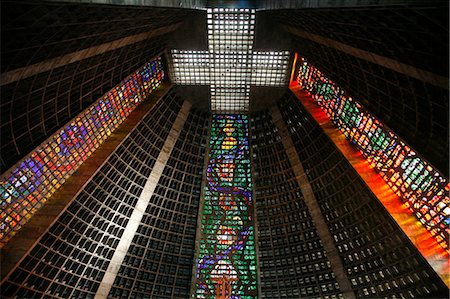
(421, 187)
(226, 262)
(28, 185)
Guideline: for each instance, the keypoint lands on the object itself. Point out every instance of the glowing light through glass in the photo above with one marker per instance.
(421, 187)
(226, 263)
(30, 183)
(230, 66)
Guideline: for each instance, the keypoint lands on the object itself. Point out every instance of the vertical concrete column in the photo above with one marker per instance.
(198, 233)
(313, 206)
(255, 214)
(141, 205)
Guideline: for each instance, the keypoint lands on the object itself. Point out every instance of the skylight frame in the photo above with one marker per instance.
(230, 66)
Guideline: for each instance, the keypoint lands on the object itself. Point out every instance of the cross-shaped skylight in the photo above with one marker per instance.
(230, 65)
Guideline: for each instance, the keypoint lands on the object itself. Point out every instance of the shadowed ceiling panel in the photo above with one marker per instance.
(416, 35)
(33, 31)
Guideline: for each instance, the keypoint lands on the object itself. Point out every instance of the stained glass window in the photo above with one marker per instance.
(422, 188)
(226, 263)
(33, 180)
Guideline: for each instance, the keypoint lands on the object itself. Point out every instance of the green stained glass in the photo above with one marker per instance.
(226, 262)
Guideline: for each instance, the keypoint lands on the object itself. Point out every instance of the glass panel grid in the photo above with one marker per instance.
(422, 188)
(43, 171)
(230, 38)
(269, 68)
(190, 67)
(226, 264)
(233, 66)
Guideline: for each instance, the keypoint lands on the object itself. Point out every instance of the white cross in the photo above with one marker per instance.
(230, 66)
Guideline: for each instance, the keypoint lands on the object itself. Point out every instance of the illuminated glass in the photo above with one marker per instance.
(269, 68)
(421, 187)
(33, 180)
(226, 263)
(230, 66)
(190, 67)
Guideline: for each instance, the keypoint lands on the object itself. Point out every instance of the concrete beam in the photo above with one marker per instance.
(21, 243)
(313, 206)
(49, 64)
(386, 62)
(141, 205)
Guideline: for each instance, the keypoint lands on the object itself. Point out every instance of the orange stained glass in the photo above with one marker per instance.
(427, 245)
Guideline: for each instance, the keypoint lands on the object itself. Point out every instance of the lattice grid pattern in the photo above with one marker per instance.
(230, 66)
